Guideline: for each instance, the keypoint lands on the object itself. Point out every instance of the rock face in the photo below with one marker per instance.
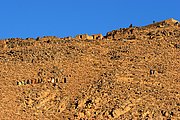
(131, 73)
(159, 30)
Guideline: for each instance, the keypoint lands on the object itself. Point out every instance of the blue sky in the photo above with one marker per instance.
(33, 18)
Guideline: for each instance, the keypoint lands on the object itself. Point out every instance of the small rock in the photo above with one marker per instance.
(177, 45)
(56, 80)
(152, 72)
(163, 113)
(40, 80)
(19, 83)
(65, 80)
(171, 113)
(22, 82)
(28, 82)
(25, 82)
(166, 114)
(53, 80)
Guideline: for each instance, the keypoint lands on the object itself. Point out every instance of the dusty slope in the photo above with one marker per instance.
(94, 79)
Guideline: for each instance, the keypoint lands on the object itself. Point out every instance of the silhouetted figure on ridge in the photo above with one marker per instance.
(130, 26)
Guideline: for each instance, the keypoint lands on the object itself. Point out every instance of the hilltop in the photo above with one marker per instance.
(130, 73)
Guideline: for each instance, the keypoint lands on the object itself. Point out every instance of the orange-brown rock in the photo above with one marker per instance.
(166, 28)
(131, 73)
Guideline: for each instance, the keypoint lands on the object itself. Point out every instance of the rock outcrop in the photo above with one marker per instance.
(159, 30)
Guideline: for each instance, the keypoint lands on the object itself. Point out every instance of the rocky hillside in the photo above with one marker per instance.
(159, 30)
(131, 73)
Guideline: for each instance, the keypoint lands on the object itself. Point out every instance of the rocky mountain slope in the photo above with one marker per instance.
(131, 73)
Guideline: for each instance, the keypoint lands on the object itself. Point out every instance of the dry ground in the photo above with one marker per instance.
(94, 79)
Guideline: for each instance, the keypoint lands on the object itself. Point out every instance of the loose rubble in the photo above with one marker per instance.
(130, 73)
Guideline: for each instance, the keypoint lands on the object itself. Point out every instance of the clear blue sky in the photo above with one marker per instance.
(33, 18)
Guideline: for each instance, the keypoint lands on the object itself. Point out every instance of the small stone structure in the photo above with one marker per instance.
(91, 37)
(84, 37)
(97, 36)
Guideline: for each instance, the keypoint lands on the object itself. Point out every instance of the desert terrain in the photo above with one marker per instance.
(129, 74)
